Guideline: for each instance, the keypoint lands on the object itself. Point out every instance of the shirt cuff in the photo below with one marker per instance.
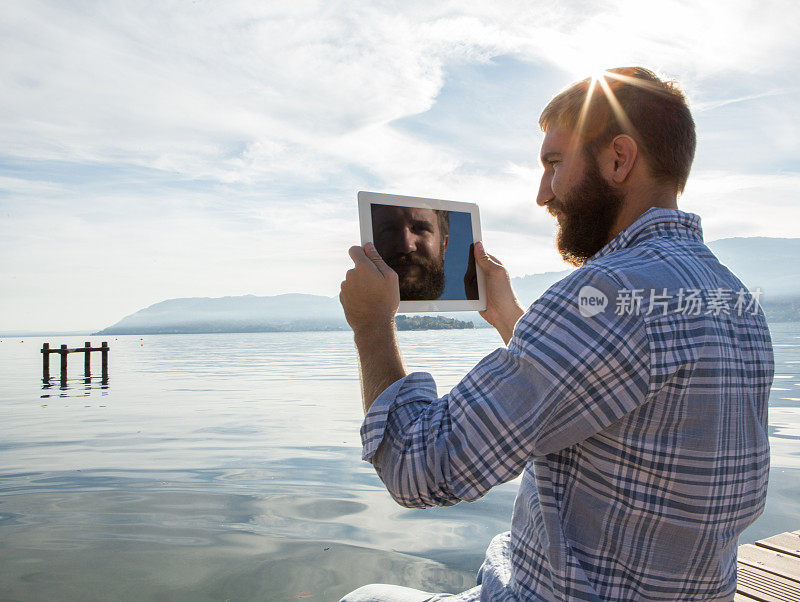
(395, 408)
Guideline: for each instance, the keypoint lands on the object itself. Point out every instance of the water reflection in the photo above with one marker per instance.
(228, 466)
(206, 541)
(80, 386)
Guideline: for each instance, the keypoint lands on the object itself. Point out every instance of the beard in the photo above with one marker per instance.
(426, 288)
(588, 214)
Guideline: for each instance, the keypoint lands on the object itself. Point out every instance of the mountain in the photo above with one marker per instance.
(771, 264)
(529, 288)
(246, 313)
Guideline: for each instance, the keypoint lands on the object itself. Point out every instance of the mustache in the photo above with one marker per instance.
(408, 259)
(554, 207)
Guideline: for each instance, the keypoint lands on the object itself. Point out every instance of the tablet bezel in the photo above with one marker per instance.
(366, 199)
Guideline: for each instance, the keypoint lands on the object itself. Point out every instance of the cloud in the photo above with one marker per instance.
(715, 104)
(744, 204)
(220, 91)
(209, 148)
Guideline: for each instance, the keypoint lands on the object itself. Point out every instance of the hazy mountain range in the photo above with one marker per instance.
(771, 264)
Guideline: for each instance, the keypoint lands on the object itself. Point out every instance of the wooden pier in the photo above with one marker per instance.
(87, 362)
(769, 571)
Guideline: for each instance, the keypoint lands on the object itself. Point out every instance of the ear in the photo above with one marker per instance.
(446, 242)
(621, 158)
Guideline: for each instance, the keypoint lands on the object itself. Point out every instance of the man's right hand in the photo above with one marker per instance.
(370, 297)
(502, 307)
(370, 293)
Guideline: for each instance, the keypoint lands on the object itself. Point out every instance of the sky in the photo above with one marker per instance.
(154, 150)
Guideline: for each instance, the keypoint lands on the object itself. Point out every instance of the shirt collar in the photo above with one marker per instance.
(656, 221)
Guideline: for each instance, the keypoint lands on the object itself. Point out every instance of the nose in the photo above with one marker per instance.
(545, 191)
(409, 241)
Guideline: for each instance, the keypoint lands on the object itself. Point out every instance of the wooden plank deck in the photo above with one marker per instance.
(769, 571)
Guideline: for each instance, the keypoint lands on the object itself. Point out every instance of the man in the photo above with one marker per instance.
(412, 241)
(630, 397)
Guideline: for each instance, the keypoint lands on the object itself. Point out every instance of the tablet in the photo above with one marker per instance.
(429, 243)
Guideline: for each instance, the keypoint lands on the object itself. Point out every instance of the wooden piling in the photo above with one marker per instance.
(45, 361)
(104, 354)
(87, 362)
(63, 353)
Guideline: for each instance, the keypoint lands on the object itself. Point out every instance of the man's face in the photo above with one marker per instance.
(575, 192)
(411, 243)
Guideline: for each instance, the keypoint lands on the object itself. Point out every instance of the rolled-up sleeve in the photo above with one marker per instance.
(563, 378)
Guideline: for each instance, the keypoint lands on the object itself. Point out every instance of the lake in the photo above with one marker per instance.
(227, 467)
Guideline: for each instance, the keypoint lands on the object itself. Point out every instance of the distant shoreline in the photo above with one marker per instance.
(404, 322)
(87, 333)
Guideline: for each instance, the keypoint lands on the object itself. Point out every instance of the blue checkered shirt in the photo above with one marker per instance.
(638, 423)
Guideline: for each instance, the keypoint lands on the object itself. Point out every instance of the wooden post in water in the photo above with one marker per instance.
(87, 362)
(104, 353)
(45, 361)
(63, 353)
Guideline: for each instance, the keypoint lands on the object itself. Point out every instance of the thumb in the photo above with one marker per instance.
(372, 254)
(482, 258)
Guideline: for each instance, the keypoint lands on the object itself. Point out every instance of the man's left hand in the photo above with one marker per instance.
(370, 292)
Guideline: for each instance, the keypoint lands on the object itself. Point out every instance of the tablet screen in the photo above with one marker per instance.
(429, 243)
(430, 249)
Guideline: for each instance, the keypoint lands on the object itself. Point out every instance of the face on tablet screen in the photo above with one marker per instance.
(430, 249)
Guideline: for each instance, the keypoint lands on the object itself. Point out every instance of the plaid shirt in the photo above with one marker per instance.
(639, 426)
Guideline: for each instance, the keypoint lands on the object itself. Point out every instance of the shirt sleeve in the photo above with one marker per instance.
(569, 372)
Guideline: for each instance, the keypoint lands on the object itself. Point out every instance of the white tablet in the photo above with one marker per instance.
(428, 242)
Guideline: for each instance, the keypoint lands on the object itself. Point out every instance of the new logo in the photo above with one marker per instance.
(591, 301)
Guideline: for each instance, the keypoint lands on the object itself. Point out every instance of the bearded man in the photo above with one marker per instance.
(630, 398)
(412, 241)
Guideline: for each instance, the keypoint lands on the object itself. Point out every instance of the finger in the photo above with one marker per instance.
(363, 262)
(357, 254)
(372, 253)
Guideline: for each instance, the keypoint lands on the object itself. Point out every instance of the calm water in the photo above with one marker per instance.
(227, 467)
